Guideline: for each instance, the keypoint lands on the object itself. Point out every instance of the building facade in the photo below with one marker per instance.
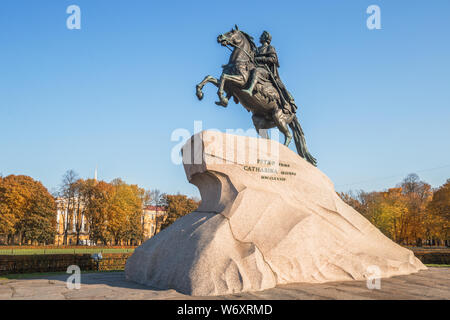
(153, 216)
(152, 219)
(71, 222)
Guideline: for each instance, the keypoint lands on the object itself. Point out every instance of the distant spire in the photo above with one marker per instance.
(95, 174)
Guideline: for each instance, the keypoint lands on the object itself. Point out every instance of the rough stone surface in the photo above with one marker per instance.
(267, 218)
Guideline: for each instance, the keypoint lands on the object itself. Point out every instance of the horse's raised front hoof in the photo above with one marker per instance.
(223, 102)
(199, 93)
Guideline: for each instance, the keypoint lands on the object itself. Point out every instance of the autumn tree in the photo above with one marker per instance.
(68, 192)
(12, 205)
(125, 212)
(27, 210)
(369, 205)
(81, 192)
(438, 224)
(394, 214)
(402, 213)
(134, 231)
(177, 207)
(113, 212)
(158, 199)
(418, 194)
(97, 198)
(357, 200)
(39, 224)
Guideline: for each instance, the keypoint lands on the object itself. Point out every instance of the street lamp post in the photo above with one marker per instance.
(97, 258)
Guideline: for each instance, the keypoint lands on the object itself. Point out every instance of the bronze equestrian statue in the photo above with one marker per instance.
(251, 78)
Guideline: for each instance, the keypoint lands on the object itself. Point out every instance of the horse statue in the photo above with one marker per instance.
(267, 104)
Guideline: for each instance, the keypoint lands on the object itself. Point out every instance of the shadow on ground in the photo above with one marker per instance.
(430, 284)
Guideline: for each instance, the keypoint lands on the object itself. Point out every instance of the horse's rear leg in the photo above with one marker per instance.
(281, 121)
(200, 86)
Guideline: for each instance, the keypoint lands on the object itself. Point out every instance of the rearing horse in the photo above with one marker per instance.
(265, 104)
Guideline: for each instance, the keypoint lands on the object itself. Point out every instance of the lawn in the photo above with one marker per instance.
(438, 265)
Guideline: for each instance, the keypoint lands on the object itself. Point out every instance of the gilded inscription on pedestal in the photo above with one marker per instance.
(271, 170)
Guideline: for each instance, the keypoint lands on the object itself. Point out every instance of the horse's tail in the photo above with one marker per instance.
(300, 142)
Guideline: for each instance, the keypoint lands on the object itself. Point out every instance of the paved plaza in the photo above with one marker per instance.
(430, 284)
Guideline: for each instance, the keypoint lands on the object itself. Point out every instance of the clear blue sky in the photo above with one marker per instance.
(375, 105)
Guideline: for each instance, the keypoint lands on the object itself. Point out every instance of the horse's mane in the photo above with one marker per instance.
(250, 40)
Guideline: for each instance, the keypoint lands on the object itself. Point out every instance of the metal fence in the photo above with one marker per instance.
(27, 252)
(48, 263)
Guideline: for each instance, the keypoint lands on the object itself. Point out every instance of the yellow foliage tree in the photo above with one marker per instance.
(27, 210)
(438, 224)
(407, 214)
(97, 198)
(125, 212)
(178, 206)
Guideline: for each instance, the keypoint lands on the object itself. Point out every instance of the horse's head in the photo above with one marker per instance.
(236, 38)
